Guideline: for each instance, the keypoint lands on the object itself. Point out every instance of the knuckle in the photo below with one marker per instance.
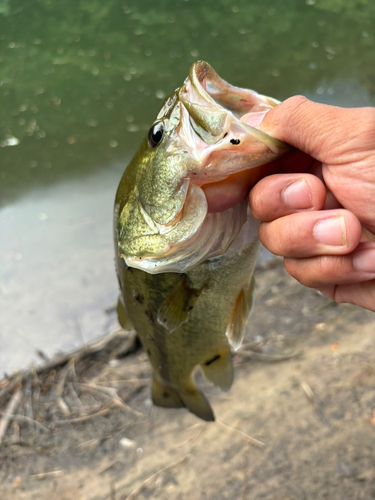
(325, 269)
(263, 234)
(316, 271)
(296, 102)
(285, 239)
(293, 268)
(296, 107)
(280, 236)
(326, 266)
(270, 237)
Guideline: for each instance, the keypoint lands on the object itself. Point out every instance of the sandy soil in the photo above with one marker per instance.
(297, 428)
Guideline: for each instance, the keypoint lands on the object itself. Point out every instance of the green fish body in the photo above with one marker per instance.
(185, 273)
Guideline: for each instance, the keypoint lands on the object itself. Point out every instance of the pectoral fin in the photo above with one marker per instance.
(176, 307)
(241, 310)
(219, 370)
(122, 314)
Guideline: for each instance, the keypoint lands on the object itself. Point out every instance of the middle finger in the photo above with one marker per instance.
(283, 194)
(308, 234)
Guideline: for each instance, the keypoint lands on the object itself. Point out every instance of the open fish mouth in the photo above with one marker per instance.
(216, 125)
(211, 139)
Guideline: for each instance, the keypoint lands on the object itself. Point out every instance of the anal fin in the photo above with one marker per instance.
(176, 307)
(241, 311)
(219, 370)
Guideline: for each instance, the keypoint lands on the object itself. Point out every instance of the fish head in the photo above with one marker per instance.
(202, 135)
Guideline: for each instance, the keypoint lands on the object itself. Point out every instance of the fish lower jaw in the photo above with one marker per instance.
(213, 238)
(235, 188)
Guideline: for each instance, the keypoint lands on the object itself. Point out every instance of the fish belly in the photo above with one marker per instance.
(201, 338)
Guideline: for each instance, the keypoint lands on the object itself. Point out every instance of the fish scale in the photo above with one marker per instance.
(186, 274)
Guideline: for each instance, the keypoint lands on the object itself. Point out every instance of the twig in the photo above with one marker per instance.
(16, 435)
(249, 439)
(147, 482)
(44, 475)
(24, 418)
(9, 410)
(317, 404)
(89, 443)
(134, 390)
(253, 346)
(194, 437)
(12, 384)
(92, 348)
(110, 391)
(60, 387)
(28, 391)
(308, 391)
(77, 354)
(35, 391)
(268, 358)
(78, 420)
(74, 395)
(43, 356)
(124, 381)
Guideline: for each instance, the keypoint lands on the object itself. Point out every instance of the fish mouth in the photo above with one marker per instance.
(223, 155)
(245, 104)
(218, 125)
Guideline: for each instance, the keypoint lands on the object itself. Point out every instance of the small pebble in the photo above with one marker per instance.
(127, 443)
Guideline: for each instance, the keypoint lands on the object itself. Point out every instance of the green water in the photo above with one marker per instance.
(82, 79)
(80, 83)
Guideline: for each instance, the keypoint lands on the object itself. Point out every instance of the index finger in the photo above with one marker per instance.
(295, 161)
(227, 193)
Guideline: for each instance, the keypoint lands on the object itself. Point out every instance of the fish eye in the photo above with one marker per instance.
(156, 134)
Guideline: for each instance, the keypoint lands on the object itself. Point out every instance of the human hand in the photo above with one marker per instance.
(319, 214)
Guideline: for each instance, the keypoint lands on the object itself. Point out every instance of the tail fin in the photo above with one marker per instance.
(196, 402)
(164, 396)
(191, 398)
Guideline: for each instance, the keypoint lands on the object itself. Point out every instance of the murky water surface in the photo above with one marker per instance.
(80, 83)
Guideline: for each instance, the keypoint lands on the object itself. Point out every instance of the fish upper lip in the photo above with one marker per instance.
(218, 107)
(218, 92)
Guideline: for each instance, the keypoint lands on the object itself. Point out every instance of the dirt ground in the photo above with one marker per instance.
(298, 423)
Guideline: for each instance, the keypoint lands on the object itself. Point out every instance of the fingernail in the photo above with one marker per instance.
(256, 119)
(364, 260)
(331, 231)
(297, 195)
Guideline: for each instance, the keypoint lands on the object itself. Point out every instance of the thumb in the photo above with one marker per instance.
(317, 129)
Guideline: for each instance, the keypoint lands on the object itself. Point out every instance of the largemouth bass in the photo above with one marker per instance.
(185, 267)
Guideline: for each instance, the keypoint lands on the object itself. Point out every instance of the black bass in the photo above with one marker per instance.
(185, 268)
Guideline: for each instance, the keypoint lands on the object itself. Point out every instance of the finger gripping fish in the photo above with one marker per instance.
(185, 271)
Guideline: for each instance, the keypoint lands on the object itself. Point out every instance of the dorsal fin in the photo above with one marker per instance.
(176, 307)
(241, 311)
(219, 369)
